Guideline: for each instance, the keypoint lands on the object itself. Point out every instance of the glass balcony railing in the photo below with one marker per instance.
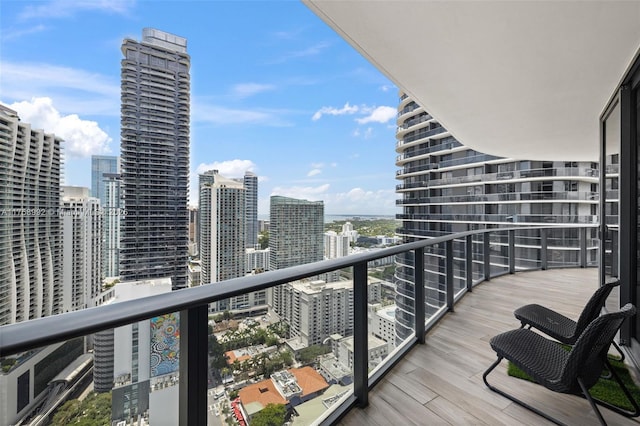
(444, 267)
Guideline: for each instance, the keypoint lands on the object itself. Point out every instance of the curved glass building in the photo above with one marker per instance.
(447, 187)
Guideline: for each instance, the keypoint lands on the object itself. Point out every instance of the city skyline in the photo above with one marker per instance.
(285, 98)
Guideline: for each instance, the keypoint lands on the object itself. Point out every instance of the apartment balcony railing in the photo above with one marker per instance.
(446, 266)
(504, 196)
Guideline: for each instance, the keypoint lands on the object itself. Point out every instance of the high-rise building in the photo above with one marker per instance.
(81, 222)
(139, 362)
(222, 237)
(221, 207)
(315, 310)
(335, 245)
(447, 187)
(257, 260)
(112, 214)
(194, 230)
(30, 235)
(251, 209)
(101, 164)
(296, 237)
(155, 157)
(105, 186)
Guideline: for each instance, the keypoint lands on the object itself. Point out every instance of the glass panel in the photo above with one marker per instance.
(499, 249)
(37, 384)
(405, 296)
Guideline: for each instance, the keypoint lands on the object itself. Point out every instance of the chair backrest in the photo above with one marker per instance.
(594, 306)
(587, 357)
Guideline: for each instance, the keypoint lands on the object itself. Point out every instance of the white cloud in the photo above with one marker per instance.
(302, 192)
(314, 172)
(202, 112)
(10, 34)
(244, 90)
(359, 201)
(66, 8)
(229, 169)
(380, 114)
(308, 52)
(317, 165)
(74, 90)
(367, 134)
(83, 138)
(346, 109)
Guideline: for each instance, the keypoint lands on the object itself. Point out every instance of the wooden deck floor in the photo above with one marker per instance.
(441, 382)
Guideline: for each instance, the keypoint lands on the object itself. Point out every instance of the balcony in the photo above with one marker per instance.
(440, 382)
(443, 378)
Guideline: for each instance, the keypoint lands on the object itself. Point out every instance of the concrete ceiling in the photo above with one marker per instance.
(519, 79)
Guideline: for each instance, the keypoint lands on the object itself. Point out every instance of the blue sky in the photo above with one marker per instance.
(273, 90)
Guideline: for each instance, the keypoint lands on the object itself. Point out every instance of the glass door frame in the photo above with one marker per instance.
(625, 98)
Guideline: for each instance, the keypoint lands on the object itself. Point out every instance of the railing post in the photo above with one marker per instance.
(360, 339)
(487, 255)
(194, 366)
(418, 284)
(469, 262)
(448, 248)
(543, 249)
(583, 247)
(512, 251)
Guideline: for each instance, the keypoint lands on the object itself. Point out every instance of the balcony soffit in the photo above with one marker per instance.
(526, 80)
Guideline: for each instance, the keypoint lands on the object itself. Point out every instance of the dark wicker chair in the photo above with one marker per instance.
(572, 371)
(561, 328)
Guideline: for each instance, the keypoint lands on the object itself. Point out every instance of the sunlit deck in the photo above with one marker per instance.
(441, 382)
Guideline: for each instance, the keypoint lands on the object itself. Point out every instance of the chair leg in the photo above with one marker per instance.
(513, 398)
(626, 413)
(615, 345)
(592, 402)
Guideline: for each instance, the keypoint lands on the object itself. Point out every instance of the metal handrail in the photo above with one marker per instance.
(192, 304)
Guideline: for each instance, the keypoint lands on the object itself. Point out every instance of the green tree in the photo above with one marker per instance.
(309, 354)
(271, 415)
(263, 239)
(94, 410)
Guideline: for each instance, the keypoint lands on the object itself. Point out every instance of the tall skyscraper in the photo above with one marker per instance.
(30, 240)
(155, 157)
(251, 209)
(296, 236)
(222, 254)
(81, 222)
(101, 164)
(335, 245)
(448, 187)
(106, 187)
(112, 213)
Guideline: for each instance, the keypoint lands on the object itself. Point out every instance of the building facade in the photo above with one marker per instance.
(222, 248)
(256, 260)
(316, 310)
(155, 157)
(113, 214)
(81, 220)
(30, 232)
(251, 209)
(335, 245)
(447, 187)
(101, 164)
(296, 237)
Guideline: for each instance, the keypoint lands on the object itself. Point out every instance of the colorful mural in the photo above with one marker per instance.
(165, 344)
